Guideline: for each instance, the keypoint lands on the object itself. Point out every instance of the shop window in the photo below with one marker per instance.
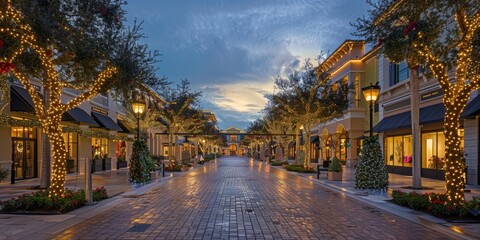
(121, 150)
(399, 151)
(399, 73)
(433, 149)
(99, 147)
(71, 145)
(24, 132)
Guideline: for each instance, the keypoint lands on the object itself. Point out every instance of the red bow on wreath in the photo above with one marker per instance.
(6, 67)
(380, 42)
(412, 26)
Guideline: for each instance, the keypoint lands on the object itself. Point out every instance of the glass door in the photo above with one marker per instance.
(30, 168)
(18, 163)
(24, 161)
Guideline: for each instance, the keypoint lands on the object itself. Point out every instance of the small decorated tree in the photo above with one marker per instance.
(279, 154)
(335, 170)
(371, 170)
(141, 163)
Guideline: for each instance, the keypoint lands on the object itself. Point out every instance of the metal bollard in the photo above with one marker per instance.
(163, 169)
(318, 171)
(88, 181)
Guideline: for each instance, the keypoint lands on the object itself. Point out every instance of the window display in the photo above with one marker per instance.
(399, 151)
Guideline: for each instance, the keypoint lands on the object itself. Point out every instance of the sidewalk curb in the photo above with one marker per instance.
(421, 218)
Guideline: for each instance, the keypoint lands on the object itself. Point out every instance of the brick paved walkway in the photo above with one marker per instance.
(236, 199)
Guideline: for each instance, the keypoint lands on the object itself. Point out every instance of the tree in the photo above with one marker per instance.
(443, 36)
(257, 142)
(181, 113)
(141, 163)
(277, 125)
(70, 44)
(308, 98)
(371, 172)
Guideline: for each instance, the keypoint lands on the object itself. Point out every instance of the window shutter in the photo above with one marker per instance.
(391, 74)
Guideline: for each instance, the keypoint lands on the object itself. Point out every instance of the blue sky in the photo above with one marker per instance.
(232, 49)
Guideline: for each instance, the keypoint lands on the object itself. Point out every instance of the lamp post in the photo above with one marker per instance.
(138, 108)
(371, 94)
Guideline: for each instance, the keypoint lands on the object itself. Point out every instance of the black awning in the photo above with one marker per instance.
(314, 139)
(430, 114)
(78, 116)
(472, 109)
(21, 101)
(123, 127)
(106, 122)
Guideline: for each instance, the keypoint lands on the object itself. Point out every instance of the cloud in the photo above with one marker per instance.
(232, 49)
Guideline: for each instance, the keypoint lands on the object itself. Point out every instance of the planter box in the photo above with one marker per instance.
(97, 165)
(107, 164)
(122, 164)
(153, 175)
(335, 176)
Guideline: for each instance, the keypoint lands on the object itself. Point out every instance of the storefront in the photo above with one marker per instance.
(24, 152)
(398, 142)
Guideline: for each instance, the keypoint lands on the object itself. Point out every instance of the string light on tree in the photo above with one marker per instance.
(49, 116)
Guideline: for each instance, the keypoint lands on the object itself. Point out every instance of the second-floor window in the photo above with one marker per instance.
(233, 138)
(399, 73)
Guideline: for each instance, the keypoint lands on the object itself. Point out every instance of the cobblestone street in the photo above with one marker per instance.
(235, 198)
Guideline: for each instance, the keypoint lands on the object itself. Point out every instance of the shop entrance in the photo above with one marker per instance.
(233, 150)
(24, 158)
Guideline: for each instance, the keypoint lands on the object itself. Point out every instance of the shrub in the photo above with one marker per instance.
(335, 165)
(173, 168)
(3, 174)
(40, 202)
(298, 168)
(434, 203)
(278, 163)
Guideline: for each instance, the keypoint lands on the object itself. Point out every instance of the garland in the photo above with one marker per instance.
(8, 121)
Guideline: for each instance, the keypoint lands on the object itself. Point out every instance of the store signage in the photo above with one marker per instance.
(431, 94)
(98, 110)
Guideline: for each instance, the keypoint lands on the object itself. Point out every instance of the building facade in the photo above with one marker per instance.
(234, 137)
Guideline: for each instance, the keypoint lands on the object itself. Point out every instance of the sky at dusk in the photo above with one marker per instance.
(232, 49)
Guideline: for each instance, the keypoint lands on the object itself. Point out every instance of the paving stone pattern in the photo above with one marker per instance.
(237, 199)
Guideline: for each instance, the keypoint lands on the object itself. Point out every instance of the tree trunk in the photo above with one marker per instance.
(170, 149)
(46, 151)
(454, 161)
(57, 187)
(306, 141)
(297, 145)
(415, 112)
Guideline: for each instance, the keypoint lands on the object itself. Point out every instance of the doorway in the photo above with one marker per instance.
(24, 154)
(233, 150)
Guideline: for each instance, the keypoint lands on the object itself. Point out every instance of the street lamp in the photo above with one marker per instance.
(371, 94)
(138, 108)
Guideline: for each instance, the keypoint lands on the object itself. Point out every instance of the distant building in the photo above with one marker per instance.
(234, 136)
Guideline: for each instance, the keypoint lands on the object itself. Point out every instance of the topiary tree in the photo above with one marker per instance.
(141, 163)
(279, 154)
(186, 157)
(371, 170)
(335, 165)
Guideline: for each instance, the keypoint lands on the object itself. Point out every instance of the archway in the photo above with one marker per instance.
(233, 149)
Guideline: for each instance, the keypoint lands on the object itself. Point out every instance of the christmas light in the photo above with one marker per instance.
(49, 116)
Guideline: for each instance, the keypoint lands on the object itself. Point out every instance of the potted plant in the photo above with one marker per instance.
(3, 174)
(121, 162)
(106, 162)
(335, 170)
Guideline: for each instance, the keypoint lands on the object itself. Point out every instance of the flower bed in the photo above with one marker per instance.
(173, 168)
(435, 204)
(298, 168)
(39, 202)
(278, 163)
